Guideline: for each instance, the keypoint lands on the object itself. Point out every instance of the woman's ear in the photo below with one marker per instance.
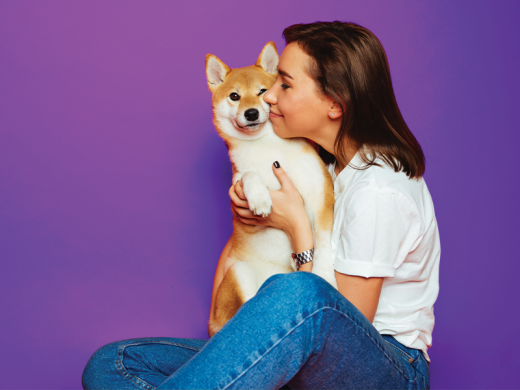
(335, 110)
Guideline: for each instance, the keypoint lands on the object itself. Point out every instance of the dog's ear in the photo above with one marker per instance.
(216, 72)
(268, 58)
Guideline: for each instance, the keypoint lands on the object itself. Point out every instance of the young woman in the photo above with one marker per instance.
(333, 88)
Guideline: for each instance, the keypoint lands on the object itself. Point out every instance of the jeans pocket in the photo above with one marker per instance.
(400, 351)
(417, 363)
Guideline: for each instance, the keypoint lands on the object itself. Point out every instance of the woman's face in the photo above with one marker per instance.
(298, 109)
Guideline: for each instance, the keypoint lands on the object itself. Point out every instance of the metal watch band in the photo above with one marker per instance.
(302, 257)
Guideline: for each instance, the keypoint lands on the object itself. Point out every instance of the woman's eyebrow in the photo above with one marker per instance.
(284, 73)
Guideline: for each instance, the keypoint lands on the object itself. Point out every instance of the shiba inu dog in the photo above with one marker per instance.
(241, 118)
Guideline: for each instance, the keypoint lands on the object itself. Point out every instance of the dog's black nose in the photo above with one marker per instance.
(251, 114)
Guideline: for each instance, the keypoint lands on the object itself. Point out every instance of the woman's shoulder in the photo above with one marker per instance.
(384, 177)
(384, 180)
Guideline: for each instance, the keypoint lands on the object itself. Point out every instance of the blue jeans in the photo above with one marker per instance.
(296, 331)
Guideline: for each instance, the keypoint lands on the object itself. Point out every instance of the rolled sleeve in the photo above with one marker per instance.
(362, 268)
(374, 235)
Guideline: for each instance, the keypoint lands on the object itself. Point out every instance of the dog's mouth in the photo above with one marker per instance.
(250, 127)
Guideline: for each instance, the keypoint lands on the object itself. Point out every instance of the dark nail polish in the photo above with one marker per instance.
(276, 164)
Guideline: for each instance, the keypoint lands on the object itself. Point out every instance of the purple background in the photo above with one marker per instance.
(113, 181)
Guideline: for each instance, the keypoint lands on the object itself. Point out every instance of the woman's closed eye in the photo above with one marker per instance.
(284, 86)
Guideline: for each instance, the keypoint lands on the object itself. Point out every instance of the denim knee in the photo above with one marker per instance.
(300, 285)
(99, 366)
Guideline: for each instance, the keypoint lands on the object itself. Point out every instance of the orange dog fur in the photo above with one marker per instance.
(258, 252)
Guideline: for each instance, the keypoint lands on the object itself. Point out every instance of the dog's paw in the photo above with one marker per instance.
(259, 200)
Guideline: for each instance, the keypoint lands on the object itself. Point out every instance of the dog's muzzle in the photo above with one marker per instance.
(249, 127)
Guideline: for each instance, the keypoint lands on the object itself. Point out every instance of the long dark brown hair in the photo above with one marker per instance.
(350, 65)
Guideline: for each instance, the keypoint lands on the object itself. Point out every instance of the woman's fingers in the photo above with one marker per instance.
(233, 210)
(240, 206)
(236, 200)
(243, 212)
(245, 215)
(239, 190)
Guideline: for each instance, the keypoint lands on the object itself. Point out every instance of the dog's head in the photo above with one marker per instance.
(239, 111)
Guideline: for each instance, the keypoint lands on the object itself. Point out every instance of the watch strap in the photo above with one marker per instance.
(302, 257)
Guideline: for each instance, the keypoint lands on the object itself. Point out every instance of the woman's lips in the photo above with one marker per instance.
(273, 115)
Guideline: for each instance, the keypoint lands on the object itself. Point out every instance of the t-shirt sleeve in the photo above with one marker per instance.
(378, 231)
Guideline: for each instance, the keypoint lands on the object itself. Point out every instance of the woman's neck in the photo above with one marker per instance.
(326, 141)
(342, 161)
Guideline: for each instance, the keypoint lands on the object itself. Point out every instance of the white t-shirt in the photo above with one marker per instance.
(385, 226)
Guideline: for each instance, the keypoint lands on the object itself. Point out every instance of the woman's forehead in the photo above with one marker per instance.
(293, 62)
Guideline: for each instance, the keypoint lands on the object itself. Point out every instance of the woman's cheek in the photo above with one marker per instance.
(285, 122)
(293, 125)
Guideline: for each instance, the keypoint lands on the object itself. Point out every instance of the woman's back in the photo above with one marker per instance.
(385, 226)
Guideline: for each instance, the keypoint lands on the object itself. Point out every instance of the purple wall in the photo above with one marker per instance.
(113, 181)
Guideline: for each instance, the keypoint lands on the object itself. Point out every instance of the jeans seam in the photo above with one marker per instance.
(424, 358)
(301, 322)
(121, 368)
(135, 379)
(375, 343)
(403, 353)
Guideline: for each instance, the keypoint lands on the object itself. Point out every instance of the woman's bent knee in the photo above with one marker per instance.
(100, 366)
(299, 285)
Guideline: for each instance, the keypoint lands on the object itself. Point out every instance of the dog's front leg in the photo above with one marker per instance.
(257, 193)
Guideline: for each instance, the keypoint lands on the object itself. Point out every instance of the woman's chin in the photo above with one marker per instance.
(280, 133)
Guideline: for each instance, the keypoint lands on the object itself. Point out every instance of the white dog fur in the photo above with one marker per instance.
(258, 252)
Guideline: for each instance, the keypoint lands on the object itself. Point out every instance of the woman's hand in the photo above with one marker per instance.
(287, 212)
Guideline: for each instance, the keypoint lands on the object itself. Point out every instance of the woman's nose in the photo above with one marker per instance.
(269, 97)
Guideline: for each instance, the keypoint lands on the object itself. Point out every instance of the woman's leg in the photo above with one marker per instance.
(142, 363)
(299, 330)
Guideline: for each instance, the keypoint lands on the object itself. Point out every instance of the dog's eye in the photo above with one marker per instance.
(262, 91)
(234, 96)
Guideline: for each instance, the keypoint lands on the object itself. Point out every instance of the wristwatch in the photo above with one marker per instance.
(302, 257)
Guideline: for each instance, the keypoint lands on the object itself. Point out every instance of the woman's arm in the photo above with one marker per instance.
(362, 292)
(287, 213)
(290, 216)
(302, 239)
